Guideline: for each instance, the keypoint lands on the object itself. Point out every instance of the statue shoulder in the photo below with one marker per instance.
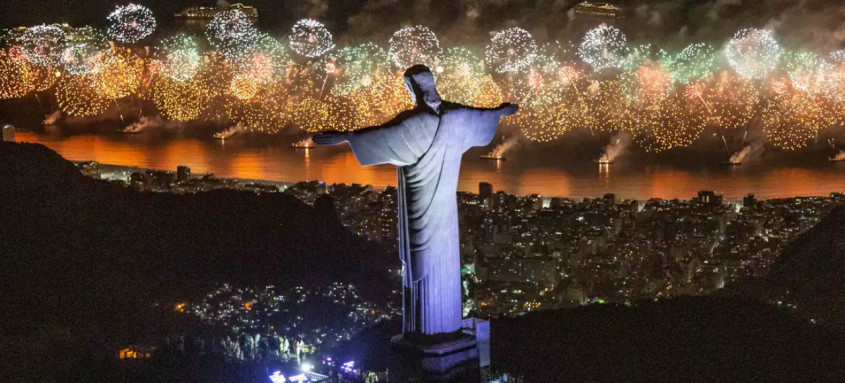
(417, 117)
(455, 110)
(408, 117)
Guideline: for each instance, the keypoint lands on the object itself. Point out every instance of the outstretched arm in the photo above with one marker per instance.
(483, 122)
(331, 137)
(399, 142)
(334, 137)
(506, 109)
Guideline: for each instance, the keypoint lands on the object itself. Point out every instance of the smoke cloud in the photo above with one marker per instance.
(748, 153)
(618, 146)
(228, 133)
(50, 119)
(505, 146)
(149, 123)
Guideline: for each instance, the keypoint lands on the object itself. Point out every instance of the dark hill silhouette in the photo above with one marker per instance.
(817, 257)
(810, 273)
(75, 249)
(691, 339)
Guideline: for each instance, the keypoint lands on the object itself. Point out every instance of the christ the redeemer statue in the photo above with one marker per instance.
(426, 144)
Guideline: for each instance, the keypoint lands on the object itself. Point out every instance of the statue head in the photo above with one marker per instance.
(420, 82)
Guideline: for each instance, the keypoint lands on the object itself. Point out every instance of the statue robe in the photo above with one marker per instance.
(427, 149)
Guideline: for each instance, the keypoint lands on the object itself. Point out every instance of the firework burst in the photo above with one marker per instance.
(511, 50)
(604, 47)
(43, 44)
(310, 38)
(414, 45)
(753, 53)
(131, 23)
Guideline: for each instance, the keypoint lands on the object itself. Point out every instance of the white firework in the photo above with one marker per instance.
(511, 50)
(82, 51)
(604, 47)
(310, 38)
(131, 23)
(838, 57)
(43, 44)
(753, 53)
(181, 57)
(231, 32)
(414, 45)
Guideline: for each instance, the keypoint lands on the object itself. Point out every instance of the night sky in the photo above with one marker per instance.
(812, 23)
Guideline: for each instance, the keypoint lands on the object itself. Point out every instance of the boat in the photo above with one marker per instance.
(604, 160)
(731, 163)
(493, 156)
(307, 143)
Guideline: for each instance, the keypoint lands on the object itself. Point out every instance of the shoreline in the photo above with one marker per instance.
(128, 170)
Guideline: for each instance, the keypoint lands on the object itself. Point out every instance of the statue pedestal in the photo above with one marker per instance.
(441, 357)
(458, 359)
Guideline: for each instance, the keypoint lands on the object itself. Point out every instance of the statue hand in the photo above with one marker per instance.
(330, 138)
(507, 108)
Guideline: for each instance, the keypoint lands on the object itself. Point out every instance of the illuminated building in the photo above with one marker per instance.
(8, 133)
(599, 9)
(709, 197)
(135, 352)
(535, 270)
(90, 169)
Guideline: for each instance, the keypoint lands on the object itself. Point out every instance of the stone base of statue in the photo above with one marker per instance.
(452, 357)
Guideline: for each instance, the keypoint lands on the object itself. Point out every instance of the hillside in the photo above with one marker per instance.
(79, 250)
(694, 339)
(810, 273)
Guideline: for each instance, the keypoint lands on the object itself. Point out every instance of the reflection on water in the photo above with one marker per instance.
(279, 162)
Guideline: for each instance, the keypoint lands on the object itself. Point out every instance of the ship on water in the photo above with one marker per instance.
(222, 136)
(493, 155)
(307, 143)
(497, 154)
(604, 160)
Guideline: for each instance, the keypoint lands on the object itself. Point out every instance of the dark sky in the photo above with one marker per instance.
(806, 24)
